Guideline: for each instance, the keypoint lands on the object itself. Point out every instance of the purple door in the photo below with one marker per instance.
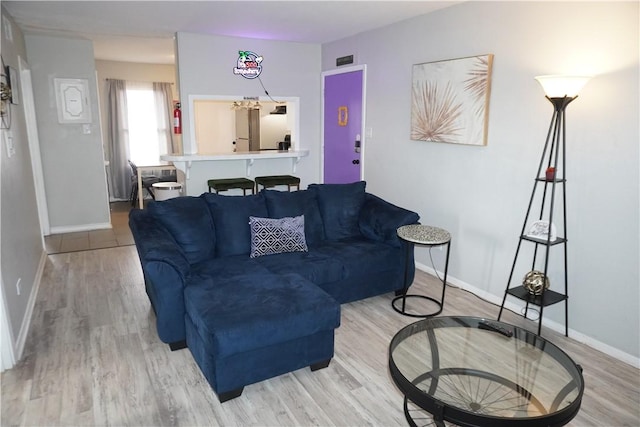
(342, 127)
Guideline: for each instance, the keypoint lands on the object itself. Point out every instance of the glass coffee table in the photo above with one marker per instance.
(469, 371)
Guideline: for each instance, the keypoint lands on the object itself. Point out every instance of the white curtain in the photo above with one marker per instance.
(118, 140)
(141, 97)
(164, 114)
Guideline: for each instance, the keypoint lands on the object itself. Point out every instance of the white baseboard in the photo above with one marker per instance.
(517, 308)
(28, 315)
(83, 227)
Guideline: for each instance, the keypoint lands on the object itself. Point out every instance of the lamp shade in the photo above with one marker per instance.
(559, 86)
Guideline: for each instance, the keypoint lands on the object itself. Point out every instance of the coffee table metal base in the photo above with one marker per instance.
(474, 391)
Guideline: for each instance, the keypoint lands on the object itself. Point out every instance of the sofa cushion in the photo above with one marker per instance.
(252, 312)
(340, 206)
(231, 217)
(282, 204)
(275, 236)
(189, 221)
(314, 266)
(360, 256)
(220, 269)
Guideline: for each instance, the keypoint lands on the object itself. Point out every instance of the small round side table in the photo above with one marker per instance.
(425, 235)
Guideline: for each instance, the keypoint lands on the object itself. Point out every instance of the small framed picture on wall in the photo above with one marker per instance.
(72, 98)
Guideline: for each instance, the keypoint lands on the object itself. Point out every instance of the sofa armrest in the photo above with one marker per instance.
(155, 243)
(166, 269)
(380, 219)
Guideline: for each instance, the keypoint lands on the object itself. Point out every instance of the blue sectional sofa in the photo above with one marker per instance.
(252, 285)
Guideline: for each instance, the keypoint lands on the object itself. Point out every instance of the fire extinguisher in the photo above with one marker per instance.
(177, 119)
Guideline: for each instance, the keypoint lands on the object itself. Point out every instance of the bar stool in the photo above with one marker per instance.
(273, 180)
(228, 183)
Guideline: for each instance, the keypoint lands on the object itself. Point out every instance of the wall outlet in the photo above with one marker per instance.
(19, 286)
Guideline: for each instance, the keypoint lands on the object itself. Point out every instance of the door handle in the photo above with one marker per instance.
(355, 162)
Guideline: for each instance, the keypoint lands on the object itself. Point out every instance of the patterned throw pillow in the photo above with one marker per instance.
(274, 236)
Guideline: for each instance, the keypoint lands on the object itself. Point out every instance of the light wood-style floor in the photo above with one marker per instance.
(92, 357)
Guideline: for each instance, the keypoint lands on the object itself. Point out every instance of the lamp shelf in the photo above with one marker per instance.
(548, 297)
(558, 241)
(557, 180)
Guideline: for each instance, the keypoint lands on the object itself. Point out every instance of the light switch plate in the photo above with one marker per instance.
(369, 132)
(8, 30)
(8, 141)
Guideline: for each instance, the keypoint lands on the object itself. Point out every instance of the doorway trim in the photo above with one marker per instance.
(26, 88)
(363, 137)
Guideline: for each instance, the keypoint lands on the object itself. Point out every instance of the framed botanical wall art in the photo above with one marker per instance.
(450, 100)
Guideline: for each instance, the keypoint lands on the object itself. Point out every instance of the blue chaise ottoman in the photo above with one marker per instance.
(250, 328)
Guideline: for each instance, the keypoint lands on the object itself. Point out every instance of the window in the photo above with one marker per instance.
(147, 124)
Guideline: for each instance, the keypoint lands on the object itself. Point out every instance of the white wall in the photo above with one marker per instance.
(72, 161)
(21, 250)
(205, 67)
(480, 194)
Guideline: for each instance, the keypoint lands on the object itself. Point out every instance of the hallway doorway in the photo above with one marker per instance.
(118, 235)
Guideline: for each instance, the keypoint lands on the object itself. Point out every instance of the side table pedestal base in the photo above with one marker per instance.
(403, 308)
(427, 236)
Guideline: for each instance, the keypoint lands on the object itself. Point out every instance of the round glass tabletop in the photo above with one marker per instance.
(472, 371)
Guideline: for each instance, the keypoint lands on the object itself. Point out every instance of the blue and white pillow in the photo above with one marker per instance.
(274, 236)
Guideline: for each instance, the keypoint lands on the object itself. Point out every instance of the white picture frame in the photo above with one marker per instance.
(72, 99)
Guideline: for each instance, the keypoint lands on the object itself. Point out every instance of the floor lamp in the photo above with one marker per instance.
(560, 91)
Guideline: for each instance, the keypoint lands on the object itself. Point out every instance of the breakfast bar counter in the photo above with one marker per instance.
(185, 161)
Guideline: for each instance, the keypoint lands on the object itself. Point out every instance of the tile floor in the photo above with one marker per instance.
(119, 235)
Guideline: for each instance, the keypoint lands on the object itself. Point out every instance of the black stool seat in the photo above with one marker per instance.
(228, 183)
(273, 180)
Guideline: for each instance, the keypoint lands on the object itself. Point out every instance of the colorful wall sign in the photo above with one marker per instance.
(249, 64)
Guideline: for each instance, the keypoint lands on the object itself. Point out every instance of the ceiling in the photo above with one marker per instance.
(142, 31)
